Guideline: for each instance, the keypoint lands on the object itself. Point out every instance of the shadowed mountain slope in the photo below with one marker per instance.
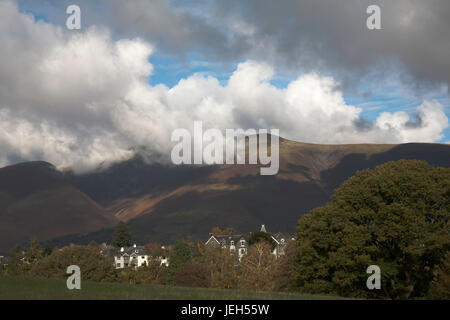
(163, 203)
(37, 201)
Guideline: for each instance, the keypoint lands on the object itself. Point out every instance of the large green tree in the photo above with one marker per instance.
(395, 216)
(122, 237)
(179, 256)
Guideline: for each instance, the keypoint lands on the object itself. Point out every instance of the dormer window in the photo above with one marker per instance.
(242, 243)
(231, 243)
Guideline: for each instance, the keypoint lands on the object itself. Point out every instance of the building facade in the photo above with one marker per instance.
(237, 244)
(131, 257)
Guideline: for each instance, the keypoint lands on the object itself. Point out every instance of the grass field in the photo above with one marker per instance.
(55, 289)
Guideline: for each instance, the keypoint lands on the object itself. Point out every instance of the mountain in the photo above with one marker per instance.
(162, 203)
(37, 201)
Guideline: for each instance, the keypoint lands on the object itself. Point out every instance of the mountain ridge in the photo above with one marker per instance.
(163, 203)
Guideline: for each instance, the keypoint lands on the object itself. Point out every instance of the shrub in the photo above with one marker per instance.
(192, 275)
(93, 265)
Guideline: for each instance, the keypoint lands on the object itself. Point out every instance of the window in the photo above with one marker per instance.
(231, 243)
(242, 243)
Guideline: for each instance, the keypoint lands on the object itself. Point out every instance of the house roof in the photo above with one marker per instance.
(280, 236)
(129, 251)
(225, 239)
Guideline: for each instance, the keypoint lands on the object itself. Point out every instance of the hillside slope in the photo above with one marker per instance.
(163, 203)
(36, 201)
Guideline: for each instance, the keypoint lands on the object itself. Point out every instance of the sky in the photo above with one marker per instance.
(137, 70)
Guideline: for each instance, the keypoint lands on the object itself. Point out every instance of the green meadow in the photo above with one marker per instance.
(12, 288)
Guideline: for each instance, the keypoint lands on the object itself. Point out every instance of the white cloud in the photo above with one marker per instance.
(80, 98)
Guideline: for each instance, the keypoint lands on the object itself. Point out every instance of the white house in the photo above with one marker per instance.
(135, 256)
(131, 256)
(235, 243)
(238, 243)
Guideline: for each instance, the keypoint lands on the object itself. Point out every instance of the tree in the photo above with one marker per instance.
(122, 236)
(221, 267)
(440, 288)
(285, 270)
(46, 251)
(93, 264)
(179, 256)
(395, 216)
(16, 266)
(34, 251)
(22, 261)
(258, 268)
(225, 232)
(261, 236)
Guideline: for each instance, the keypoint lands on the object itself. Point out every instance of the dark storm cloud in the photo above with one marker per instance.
(332, 35)
(326, 35)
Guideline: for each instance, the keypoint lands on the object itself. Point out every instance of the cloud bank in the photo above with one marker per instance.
(79, 99)
(304, 35)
